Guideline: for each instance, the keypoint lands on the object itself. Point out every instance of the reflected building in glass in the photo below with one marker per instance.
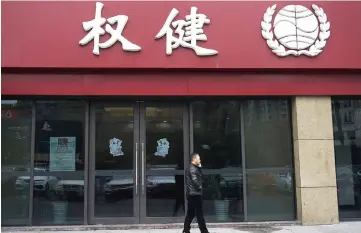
(346, 115)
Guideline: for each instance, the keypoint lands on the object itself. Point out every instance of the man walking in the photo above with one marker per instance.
(194, 195)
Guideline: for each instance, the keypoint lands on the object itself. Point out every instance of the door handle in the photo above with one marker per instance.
(136, 168)
(143, 162)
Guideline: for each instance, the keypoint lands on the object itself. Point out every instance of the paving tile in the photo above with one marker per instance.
(344, 227)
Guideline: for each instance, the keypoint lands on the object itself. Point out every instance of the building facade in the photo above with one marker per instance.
(102, 103)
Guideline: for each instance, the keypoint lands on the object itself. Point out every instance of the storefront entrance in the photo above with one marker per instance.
(137, 157)
(80, 161)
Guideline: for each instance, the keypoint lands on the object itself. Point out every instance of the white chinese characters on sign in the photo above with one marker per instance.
(297, 28)
(296, 31)
(96, 30)
(189, 32)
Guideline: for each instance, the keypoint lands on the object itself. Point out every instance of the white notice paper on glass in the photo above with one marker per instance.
(62, 153)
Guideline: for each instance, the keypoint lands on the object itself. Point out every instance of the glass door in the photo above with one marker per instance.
(114, 162)
(137, 158)
(163, 146)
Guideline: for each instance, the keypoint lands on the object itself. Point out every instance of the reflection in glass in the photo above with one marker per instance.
(114, 139)
(165, 196)
(217, 139)
(269, 164)
(347, 139)
(114, 196)
(15, 161)
(164, 161)
(59, 163)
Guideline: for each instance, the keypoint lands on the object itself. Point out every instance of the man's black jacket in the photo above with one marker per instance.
(194, 180)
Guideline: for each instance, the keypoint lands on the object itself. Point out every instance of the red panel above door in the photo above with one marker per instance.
(181, 84)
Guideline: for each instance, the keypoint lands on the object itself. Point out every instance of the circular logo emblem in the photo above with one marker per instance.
(296, 30)
(296, 27)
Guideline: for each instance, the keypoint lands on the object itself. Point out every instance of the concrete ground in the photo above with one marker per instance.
(345, 227)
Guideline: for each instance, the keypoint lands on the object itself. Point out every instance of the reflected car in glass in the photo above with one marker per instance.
(121, 187)
(118, 188)
(42, 184)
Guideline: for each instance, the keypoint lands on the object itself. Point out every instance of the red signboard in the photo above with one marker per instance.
(47, 34)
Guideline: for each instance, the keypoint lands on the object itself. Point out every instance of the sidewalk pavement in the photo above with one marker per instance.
(344, 227)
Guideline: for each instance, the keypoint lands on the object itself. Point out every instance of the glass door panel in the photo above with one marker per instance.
(115, 163)
(162, 141)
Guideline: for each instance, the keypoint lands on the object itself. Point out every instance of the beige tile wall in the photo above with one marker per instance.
(316, 190)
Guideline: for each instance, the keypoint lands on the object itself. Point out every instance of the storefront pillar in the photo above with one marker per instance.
(315, 174)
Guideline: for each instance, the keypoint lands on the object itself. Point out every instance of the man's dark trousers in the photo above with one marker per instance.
(195, 208)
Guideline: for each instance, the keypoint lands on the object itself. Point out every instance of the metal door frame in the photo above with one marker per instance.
(92, 172)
